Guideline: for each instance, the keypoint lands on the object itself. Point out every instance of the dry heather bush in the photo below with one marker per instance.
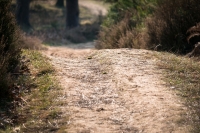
(170, 22)
(193, 34)
(31, 42)
(120, 35)
(9, 47)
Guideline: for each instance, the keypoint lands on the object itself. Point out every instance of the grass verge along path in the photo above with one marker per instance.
(38, 110)
(183, 75)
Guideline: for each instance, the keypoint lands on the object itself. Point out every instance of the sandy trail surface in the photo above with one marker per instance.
(115, 91)
(95, 8)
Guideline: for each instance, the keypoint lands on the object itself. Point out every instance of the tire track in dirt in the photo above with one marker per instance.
(115, 91)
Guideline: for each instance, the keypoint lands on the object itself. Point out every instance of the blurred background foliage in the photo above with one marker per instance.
(139, 9)
(155, 24)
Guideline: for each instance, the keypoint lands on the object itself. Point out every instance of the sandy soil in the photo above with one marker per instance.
(115, 91)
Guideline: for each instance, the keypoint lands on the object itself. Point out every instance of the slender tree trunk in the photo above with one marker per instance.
(22, 14)
(60, 3)
(72, 14)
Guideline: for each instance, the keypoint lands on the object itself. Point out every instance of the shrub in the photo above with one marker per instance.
(124, 25)
(9, 47)
(170, 22)
(138, 8)
(120, 35)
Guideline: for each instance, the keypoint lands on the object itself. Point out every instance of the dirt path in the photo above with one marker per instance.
(96, 8)
(115, 91)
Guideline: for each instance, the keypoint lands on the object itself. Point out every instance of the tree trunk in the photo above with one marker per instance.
(22, 14)
(60, 3)
(72, 14)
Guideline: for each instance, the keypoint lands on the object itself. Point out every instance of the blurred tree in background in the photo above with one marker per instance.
(60, 3)
(22, 14)
(72, 13)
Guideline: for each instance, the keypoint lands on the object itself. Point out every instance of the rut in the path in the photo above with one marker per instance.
(116, 91)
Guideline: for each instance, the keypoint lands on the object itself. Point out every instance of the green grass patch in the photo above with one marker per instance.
(183, 74)
(42, 110)
(39, 64)
(38, 110)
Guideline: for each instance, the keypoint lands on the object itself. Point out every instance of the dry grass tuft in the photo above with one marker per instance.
(31, 42)
(183, 74)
